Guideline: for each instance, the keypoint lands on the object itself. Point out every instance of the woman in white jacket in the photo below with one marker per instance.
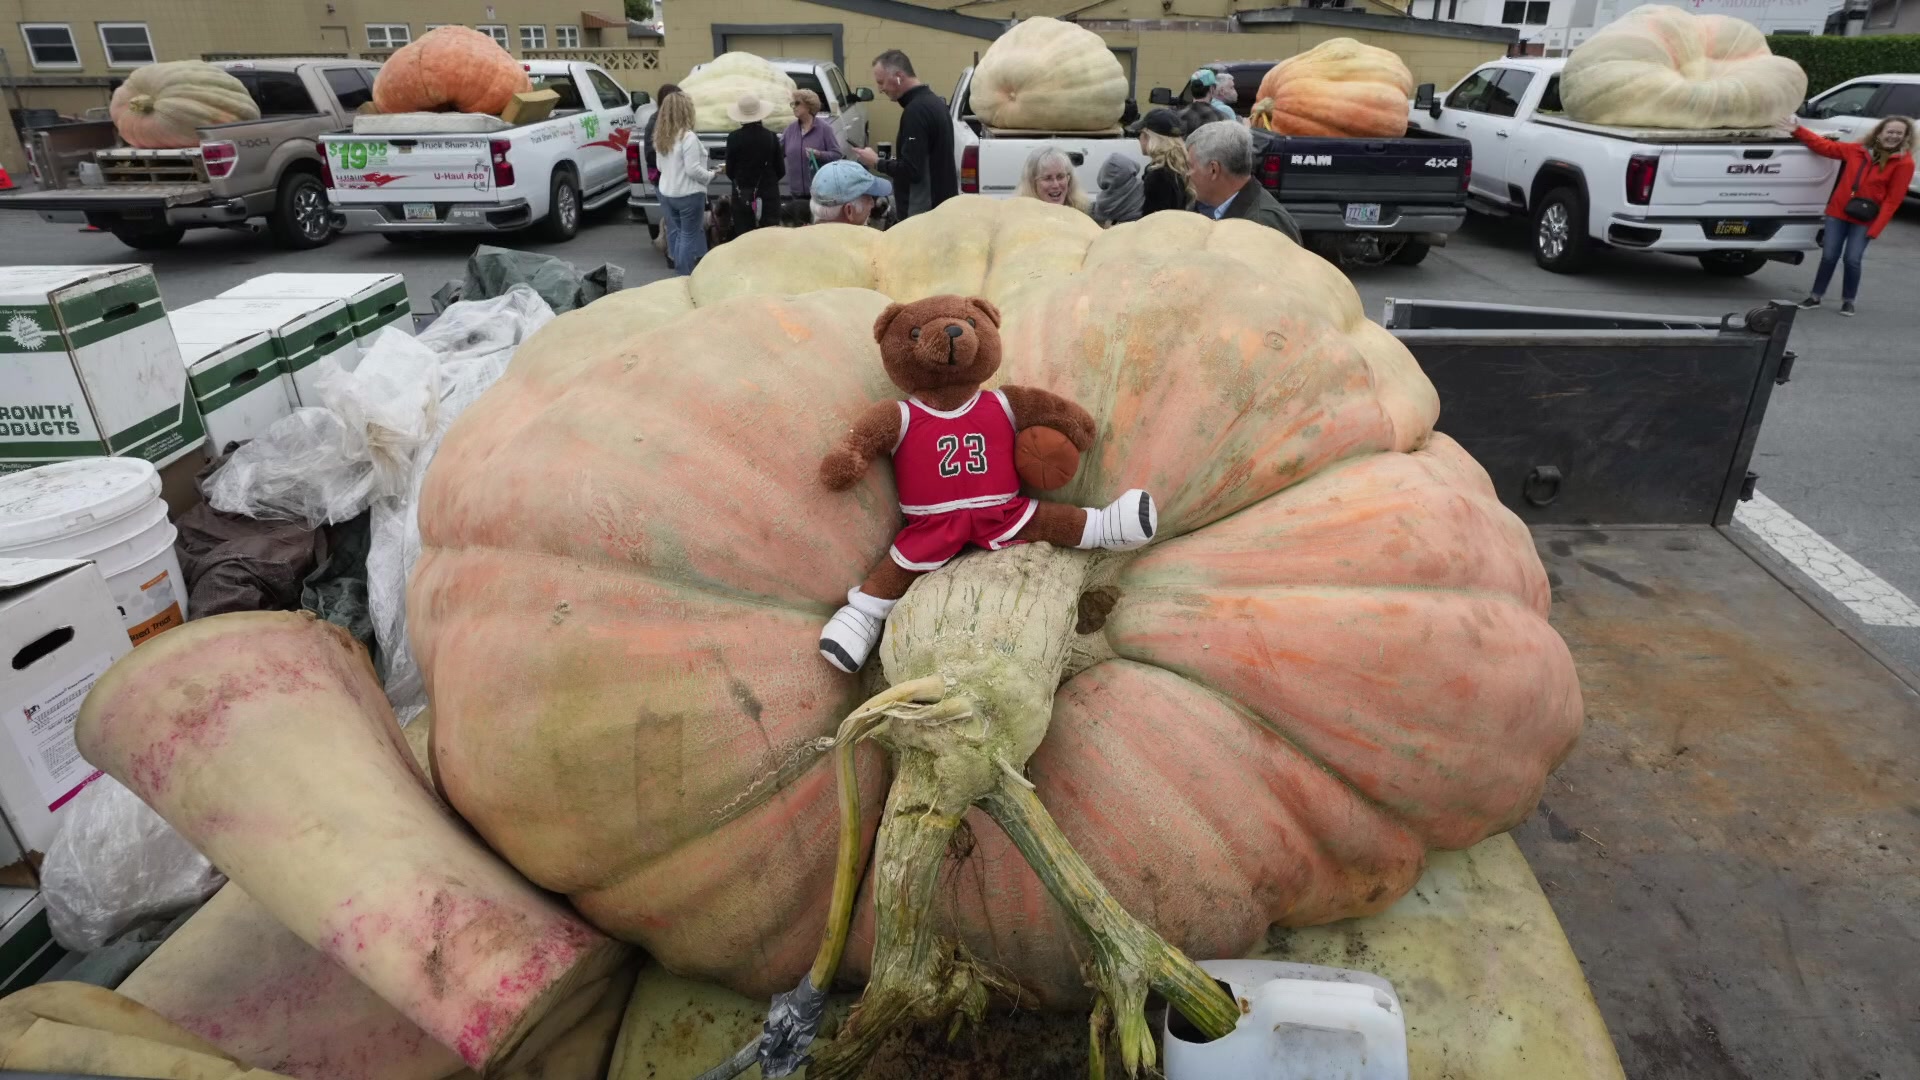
(684, 177)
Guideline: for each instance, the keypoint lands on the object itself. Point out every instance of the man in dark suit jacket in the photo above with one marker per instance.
(1220, 157)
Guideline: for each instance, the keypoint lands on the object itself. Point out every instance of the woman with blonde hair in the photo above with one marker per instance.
(1163, 143)
(1049, 177)
(1874, 174)
(684, 177)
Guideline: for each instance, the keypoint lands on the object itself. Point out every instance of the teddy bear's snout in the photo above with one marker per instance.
(954, 331)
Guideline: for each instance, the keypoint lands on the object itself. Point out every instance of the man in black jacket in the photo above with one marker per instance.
(922, 167)
(755, 164)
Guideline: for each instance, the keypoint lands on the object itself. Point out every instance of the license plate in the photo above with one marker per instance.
(420, 211)
(1363, 213)
(1729, 228)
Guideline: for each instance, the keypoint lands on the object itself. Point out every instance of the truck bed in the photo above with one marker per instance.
(1731, 846)
(1667, 135)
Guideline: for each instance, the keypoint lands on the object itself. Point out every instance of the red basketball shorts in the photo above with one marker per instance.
(929, 541)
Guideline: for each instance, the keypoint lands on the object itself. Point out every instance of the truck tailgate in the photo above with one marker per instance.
(399, 168)
(111, 197)
(1004, 157)
(1776, 178)
(1412, 169)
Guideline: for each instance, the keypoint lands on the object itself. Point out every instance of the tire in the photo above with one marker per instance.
(1412, 253)
(149, 238)
(1732, 264)
(563, 208)
(300, 219)
(1560, 241)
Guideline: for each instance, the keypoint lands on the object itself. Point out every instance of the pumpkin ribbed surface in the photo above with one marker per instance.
(1048, 75)
(163, 106)
(453, 69)
(1334, 657)
(1339, 87)
(731, 76)
(1662, 67)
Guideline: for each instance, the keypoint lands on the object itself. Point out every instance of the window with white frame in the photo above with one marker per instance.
(533, 37)
(388, 35)
(50, 45)
(126, 44)
(497, 33)
(566, 37)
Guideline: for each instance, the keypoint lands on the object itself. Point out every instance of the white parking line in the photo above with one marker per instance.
(1869, 595)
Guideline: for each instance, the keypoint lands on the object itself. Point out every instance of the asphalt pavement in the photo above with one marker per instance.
(1840, 450)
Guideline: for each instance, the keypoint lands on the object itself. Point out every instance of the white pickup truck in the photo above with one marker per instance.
(1733, 199)
(846, 114)
(991, 160)
(438, 178)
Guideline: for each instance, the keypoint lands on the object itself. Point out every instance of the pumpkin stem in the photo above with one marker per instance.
(140, 103)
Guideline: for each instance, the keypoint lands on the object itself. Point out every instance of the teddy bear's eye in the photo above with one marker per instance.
(970, 322)
(914, 333)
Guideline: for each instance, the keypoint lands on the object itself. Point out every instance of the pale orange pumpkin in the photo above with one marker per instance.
(164, 106)
(450, 68)
(1339, 87)
(1335, 657)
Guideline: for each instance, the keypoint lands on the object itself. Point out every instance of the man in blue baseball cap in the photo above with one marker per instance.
(844, 191)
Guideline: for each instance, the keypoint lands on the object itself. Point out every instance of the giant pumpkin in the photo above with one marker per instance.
(1339, 87)
(163, 106)
(450, 68)
(1334, 658)
(1664, 67)
(727, 78)
(1048, 75)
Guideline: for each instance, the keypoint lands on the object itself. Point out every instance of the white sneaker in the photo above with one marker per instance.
(854, 630)
(1126, 523)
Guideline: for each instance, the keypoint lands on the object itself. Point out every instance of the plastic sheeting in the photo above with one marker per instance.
(491, 271)
(115, 863)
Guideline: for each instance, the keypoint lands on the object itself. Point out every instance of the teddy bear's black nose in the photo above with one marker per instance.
(954, 331)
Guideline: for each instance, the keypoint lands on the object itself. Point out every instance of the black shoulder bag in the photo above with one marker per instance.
(1862, 210)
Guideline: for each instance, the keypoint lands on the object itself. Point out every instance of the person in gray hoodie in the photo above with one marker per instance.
(1123, 197)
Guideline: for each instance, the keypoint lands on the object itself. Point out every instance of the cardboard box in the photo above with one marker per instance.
(375, 301)
(89, 368)
(60, 631)
(308, 334)
(236, 374)
(530, 107)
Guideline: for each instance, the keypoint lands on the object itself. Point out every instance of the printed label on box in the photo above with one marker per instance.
(42, 731)
(153, 609)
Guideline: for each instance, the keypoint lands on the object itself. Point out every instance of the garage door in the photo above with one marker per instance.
(785, 46)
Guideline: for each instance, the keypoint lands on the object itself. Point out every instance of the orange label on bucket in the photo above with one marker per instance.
(143, 631)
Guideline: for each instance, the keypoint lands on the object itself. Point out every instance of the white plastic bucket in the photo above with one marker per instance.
(107, 511)
(1300, 1022)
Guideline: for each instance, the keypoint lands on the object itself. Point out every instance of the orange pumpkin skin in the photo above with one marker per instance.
(1339, 87)
(1336, 658)
(450, 68)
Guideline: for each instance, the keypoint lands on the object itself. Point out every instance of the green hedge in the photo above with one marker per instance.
(1830, 60)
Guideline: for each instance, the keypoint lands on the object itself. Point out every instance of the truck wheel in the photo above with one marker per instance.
(300, 219)
(149, 238)
(1412, 253)
(1732, 263)
(1560, 242)
(563, 208)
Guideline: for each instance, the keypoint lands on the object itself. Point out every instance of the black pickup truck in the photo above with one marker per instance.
(1360, 202)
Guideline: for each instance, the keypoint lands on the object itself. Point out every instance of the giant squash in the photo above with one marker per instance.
(450, 68)
(1334, 658)
(163, 106)
(1664, 67)
(1339, 87)
(726, 79)
(1048, 75)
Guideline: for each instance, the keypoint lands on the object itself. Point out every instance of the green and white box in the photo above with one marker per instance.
(308, 334)
(236, 375)
(376, 301)
(89, 368)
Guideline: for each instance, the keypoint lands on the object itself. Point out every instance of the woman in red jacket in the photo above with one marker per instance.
(1874, 175)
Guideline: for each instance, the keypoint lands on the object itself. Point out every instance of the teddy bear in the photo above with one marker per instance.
(953, 449)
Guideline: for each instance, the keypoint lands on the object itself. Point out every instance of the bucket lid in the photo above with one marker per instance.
(72, 496)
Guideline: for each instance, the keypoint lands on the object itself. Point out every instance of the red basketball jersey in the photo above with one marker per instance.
(959, 460)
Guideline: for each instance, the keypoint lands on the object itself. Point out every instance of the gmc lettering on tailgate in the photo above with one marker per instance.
(1746, 168)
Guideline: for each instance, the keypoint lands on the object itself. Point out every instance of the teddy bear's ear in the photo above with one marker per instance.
(886, 317)
(986, 308)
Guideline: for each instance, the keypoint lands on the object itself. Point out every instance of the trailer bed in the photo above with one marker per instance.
(1731, 847)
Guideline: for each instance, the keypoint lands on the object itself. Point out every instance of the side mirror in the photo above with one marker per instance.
(865, 93)
(1808, 110)
(1160, 95)
(1426, 100)
(639, 98)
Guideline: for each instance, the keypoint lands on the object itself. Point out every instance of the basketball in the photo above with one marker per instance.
(1044, 458)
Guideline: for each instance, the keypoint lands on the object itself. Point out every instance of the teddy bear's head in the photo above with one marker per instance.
(940, 341)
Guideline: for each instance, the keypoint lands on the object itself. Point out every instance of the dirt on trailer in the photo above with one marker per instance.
(1732, 847)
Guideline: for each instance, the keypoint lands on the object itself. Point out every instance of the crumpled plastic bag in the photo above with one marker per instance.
(475, 340)
(115, 863)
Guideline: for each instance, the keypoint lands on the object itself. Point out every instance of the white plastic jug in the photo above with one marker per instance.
(1303, 1022)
